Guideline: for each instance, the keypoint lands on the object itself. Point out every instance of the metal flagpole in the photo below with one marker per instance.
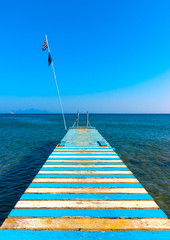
(57, 86)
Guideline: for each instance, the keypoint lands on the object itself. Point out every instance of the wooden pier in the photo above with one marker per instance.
(85, 191)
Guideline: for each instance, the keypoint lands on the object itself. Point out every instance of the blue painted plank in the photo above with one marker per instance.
(81, 147)
(93, 151)
(85, 235)
(86, 155)
(79, 158)
(102, 143)
(84, 176)
(103, 213)
(88, 196)
(96, 148)
(82, 163)
(62, 144)
(70, 185)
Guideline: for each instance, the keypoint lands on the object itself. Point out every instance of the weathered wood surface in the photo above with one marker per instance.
(84, 185)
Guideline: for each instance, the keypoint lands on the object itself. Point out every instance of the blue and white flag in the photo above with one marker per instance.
(45, 45)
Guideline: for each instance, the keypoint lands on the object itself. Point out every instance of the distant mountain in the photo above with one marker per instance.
(31, 110)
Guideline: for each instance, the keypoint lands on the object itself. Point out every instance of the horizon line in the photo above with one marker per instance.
(75, 113)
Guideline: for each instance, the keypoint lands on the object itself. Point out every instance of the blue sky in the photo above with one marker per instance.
(109, 56)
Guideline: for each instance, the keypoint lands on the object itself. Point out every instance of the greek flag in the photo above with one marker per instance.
(45, 45)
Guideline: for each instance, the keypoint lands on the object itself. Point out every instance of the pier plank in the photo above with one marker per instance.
(102, 224)
(84, 185)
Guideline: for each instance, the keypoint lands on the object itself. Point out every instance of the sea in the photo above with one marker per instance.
(141, 140)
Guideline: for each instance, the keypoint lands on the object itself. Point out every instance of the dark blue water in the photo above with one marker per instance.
(142, 141)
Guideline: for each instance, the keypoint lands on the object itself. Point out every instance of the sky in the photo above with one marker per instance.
(109, 56)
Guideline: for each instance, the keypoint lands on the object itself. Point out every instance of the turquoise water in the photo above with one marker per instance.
(142, 141)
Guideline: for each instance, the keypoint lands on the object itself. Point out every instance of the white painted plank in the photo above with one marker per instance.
(84, 166)
(85, 180)
(87, 190)
(88, 204)
(86, 161)
(86, 172)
